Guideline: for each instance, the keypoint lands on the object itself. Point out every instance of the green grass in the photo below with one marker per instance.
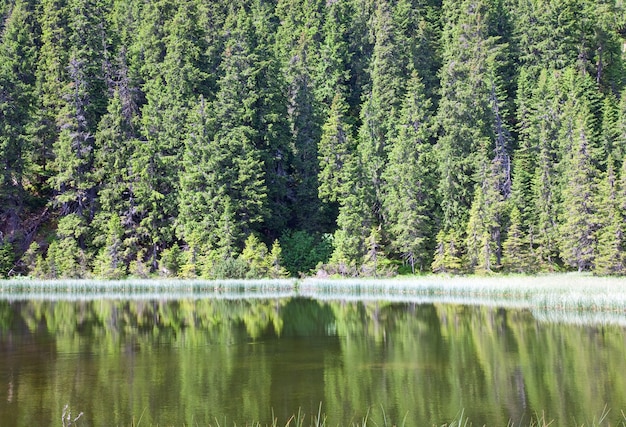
(319, 420)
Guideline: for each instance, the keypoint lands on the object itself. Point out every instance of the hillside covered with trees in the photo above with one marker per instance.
(233, 138)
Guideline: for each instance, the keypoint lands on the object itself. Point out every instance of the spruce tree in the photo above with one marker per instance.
(355, 220)
(83, 104)
(197, 218)
(236, 149)
(610, 234)
(381, 104)
(155, 165)
(298, 46)
(535, 187)
(110, 262)
(474, 138)
(335, 148)
(409, 181)
(17, 87)
(418, 31)
(516, 246)
(51, 77)
(333, 74)
(270, 119)
(578, 225)
(116, 142)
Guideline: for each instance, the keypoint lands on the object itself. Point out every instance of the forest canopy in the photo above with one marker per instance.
(252, 138)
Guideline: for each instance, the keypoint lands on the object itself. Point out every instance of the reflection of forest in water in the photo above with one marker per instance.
(190, 361)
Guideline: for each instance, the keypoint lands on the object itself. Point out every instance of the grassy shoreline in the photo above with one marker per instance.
(545, 295)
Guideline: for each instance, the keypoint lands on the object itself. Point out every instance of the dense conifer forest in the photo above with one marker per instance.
(261, 138)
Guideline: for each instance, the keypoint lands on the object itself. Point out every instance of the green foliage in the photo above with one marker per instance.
(409, 199)
(516, 246)
(610, 218)
(110, 260)
(7, 258)
(448, 256)
(303, 251)
(65, 258)
(170, 261)
(193, 125)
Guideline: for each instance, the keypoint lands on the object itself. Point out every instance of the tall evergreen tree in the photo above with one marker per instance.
(333, 71)
(298, 45)
(51, 77)
(335, 148)
(381, 104)
(474, 143)
(236, 149)
(610, 219)
(83, 102)
(17, 84)
(578, 226)
(516, 246)
(409, 180)
(535, 187)
(116, 140)
(200, 191)
(418, 31)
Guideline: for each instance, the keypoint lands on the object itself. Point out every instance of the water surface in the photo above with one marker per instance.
(200, 360)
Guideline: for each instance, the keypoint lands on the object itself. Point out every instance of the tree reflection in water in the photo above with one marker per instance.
(192, 361)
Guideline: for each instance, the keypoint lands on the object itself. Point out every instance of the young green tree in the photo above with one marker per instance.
(255, 254)
(448, 257)
(110, 262)
(65, 258)
(516, 247)
(275, 262)
(610, 234)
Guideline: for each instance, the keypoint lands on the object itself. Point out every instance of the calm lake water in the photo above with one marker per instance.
(203, 361)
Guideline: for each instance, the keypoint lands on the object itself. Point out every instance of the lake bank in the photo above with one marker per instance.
(566, 296)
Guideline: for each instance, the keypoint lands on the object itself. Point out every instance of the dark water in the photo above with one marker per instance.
(204, 362)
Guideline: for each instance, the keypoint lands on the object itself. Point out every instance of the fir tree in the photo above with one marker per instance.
(610, 233)
(471, 125)
(199, 193)
(17, 84)
(578, 227)
(516, 247)
(333, 72)
(335, 147)
(381, 104)
(409, 181)
(448, 256)
(110, 262)
(355, 219)
(298, 41)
